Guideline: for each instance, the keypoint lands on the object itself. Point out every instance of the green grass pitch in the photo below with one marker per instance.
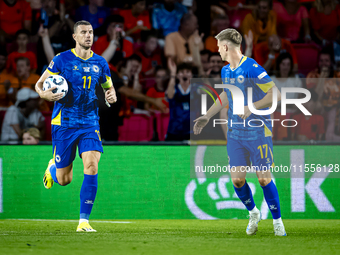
(168, 237)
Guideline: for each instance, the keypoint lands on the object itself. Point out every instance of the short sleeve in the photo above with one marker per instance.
(260, 78)
(27, 12)
(106, 81)
(169, 49)
(55, 65)
(11, 117)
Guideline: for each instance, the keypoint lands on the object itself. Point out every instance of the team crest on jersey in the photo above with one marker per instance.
(75, 68)
(86, 69)
(232, 80)
(95, 68)
(255, 65)
(51, 64)
(240, 79)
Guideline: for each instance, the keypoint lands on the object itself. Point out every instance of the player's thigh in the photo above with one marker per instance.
(90, 148)
(64, 143)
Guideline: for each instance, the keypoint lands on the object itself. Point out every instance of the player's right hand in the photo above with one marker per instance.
(200, 123)
(50, 96)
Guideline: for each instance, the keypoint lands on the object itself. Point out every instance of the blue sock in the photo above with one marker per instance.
(87, 195)
(53, 171)
(244, 193)
(272, 198)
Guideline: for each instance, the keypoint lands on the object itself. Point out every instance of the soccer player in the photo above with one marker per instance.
(75, 120)
(247, 144)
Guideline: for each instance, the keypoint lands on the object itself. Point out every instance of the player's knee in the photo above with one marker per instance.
(91, 168)
(238, 182)
(264, 181)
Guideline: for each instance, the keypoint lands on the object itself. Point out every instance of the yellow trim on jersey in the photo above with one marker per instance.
(57, 120)
(271, 154)
(55, 148)
(74, 52)
(108, 83)
(52, 72)
(244, 58)
(266, 86)
(267, 131)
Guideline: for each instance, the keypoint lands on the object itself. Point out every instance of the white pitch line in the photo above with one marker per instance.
(96, 221)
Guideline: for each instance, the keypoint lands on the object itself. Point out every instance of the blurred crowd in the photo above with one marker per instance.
(155, 47)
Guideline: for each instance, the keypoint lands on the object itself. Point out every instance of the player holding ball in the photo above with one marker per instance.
(75, 120)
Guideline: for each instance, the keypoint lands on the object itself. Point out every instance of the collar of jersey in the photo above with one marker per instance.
(75, 53)
(239, 64)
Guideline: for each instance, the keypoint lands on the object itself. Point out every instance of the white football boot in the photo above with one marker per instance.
(254, 219)
(279, 229)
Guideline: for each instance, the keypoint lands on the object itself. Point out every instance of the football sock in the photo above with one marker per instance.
(272, 198)
(245, 195)
(53, 171)
(87, 195)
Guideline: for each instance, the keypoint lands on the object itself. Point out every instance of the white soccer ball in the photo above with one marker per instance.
(56, 80)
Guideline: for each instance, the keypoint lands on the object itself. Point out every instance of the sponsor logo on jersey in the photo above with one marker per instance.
(75, 68)
(95, 68)
(262, 75)
(232, 80)
(240, 79)
(86, 69)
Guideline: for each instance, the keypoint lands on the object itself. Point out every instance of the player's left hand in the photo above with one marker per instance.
(246, 114)
(110, 96)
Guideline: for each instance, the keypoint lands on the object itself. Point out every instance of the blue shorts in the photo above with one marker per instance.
(65, 141)
(256, 153)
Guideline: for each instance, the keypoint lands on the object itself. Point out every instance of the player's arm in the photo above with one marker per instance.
(47, 94)
(202, 121)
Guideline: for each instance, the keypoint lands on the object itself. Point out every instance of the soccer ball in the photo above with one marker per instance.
(56, 80)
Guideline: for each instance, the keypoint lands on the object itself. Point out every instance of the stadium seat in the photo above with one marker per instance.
(138, 128)
(162, 125)
(48, 129)
(307, 55)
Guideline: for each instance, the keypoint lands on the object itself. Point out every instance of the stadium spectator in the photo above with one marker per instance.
(136, 19)
(95, 13)
(150, 54)
(324, 70)
(158, 90)
(113, 46)
(14, 15)
(309, 127)
(325, 17)
(186, 44)
(166, 16)
(112, 117)
(216, 65)
(31, 136)
(266, 53)
(205, 61)
(24, 78)
(24, 114)
(292, 17)
(262, 22)
(22, 39)
(219, 23)
(331, 102)
(284, 78)
(178, 96)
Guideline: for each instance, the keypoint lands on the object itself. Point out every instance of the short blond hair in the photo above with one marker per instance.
(34, 132)
(231, 35)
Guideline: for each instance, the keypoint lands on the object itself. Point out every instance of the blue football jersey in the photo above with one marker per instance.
(79, 108)
(247, 74)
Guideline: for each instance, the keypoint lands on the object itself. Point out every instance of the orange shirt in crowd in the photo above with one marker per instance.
(261, 52)
(324, 24)
(256, 26)
(152, 92)
(309, 126)
(11, 65)
(102, 43)
(28, 83)
(4, 100)
(130, 21)
(148, 62)
(312, 79)
(12, 17)
(211, 44)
